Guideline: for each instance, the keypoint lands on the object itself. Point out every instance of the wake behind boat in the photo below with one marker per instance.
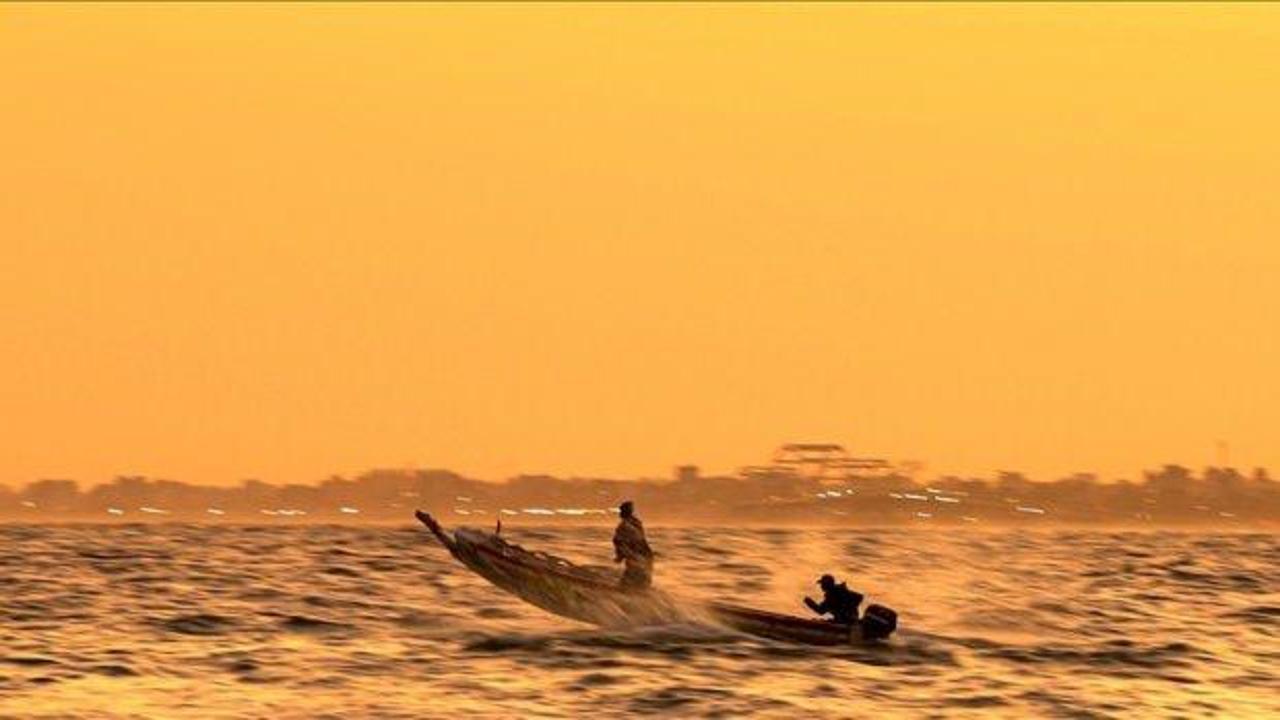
(594, 595)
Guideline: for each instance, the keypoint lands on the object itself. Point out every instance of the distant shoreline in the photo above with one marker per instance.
(1265, 527)
(1172, 496)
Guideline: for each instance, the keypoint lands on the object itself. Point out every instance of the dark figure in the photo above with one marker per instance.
(631, 547)
(838, 600)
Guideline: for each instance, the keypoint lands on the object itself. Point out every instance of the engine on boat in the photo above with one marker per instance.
(878, 622)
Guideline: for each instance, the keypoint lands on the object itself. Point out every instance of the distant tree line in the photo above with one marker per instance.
(1172, 495)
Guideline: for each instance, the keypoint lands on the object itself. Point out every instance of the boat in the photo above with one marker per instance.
(554, 584)
(593, 595)
(875, 626)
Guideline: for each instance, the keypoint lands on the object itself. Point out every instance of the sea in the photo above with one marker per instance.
(316, 621)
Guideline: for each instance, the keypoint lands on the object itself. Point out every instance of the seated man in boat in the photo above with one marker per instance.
(631, 547)
(838, 600)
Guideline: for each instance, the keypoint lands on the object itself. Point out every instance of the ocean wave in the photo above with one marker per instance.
(339, 621)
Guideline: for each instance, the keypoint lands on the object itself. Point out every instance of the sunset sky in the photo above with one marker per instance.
(289, 241)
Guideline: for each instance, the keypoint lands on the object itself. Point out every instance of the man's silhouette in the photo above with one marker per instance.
(837, 600)
(631, 547)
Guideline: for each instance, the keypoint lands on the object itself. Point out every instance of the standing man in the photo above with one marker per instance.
(631, 547)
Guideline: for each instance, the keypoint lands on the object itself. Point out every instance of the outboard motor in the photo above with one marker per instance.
(878, 622)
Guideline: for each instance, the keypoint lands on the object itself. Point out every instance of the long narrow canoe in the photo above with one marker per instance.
(555, 584)
(593, 596)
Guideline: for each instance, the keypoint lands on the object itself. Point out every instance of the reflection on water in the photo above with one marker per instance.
(206, 622)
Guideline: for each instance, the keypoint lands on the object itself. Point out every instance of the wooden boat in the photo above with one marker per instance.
(555, 584)
(876, 625)
(593, 596)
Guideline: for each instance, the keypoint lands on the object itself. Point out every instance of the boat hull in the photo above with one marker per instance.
(557, 585)
(786, 628)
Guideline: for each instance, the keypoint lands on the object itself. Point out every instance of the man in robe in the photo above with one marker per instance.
(631, 547)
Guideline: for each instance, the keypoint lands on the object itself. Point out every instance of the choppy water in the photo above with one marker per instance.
(206, 622)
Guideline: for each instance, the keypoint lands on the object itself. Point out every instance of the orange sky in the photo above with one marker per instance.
(286, 241)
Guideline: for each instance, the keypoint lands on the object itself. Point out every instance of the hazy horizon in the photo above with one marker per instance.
(778, 495)
(917, 472)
